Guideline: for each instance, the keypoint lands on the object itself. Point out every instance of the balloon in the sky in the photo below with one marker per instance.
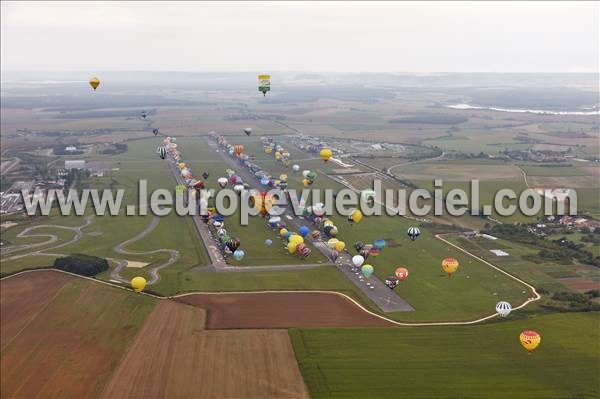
(138, 284)
(401, 273)
(94, 82)
(248, 131)
(222, 181)
(450, 265)
(503, 308)
(264, 84)
(162, 151)
(391, 282)
(239, 254)
(358, 260)
(325, 154)
(295, 167)
(367, 270)
(355, 217)
(413, 233)
(530, 340)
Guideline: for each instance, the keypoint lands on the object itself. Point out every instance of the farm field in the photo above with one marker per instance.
(78, 334)
(449, 362)
(189, 361)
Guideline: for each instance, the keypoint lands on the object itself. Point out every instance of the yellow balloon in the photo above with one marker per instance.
(357, 216)
(138, 284)
(292, 247)
(295, 238)
(530, 340)
(94, 82)
(325, 154)
(340, 245)
(332, 242)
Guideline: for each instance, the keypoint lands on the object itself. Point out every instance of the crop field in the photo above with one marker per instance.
(75, 333)
(188, 361)
(449, 362)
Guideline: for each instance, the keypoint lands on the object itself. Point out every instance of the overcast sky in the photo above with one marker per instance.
(298, 36)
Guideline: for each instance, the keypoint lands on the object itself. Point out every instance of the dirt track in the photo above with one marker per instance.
(281, 310)
(173, 356)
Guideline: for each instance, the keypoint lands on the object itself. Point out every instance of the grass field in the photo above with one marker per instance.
(484, 361)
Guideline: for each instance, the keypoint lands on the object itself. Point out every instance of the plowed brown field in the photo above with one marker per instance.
(281, 310)
(173, 356)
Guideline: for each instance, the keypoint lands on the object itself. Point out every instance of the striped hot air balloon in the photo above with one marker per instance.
(503, 308)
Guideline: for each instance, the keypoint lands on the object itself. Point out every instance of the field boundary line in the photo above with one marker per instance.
(360, 306)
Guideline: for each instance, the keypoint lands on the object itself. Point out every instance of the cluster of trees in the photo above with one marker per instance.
(84, 265)
(561, 250)
(117, 148)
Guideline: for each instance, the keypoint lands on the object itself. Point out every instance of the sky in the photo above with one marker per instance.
(396, 37)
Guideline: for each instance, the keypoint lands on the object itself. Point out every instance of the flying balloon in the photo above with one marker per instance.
(450, 265)
(138, 284)
(413, 233)
(503, 308)
(94, 82)
(530, 340)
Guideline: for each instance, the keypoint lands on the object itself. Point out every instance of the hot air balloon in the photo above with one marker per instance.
(268, 242)
(238, 254)
(248, 131)
(155, 131)
(379, 244)
(530, 340)
(450, 265)
(264, 84)
(162, 151)
(391, 282)
(413, 233)
(503, 308)
(94, 82)
(401, 273)
(222, 182)
(138, 284)
(355, 217)
(238, 149)
(325, 154)
(358, 260)
(367, 270)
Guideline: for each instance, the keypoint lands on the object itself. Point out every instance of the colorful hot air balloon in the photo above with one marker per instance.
(94, 82)
(503, 308)
(367, 270)
(238, 254)
(450, 265)
(264, 84)
(138, 284)
(413, 233)
(401, 273)
(325, 154)
(530, 340)
(391, 282)
(248, 131)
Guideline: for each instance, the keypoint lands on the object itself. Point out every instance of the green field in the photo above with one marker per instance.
(485, 361)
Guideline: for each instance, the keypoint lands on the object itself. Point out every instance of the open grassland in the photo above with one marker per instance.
(188, 361)
(472, 292)
(450, 362)
(71, 339)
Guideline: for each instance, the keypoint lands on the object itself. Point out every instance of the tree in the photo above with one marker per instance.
(84, 265)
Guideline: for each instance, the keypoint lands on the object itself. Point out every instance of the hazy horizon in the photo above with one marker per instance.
(297, 37)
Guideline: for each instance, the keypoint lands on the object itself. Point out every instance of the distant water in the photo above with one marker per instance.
(587, 111)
